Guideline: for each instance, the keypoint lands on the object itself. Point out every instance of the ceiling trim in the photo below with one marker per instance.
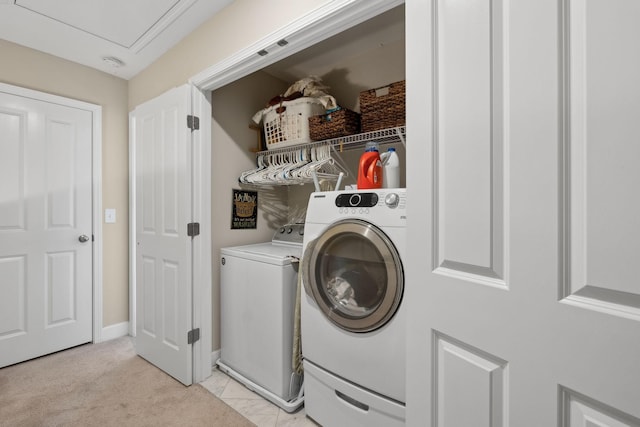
(310, 29)
(162, 24)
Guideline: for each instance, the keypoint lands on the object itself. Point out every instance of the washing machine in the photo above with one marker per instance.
(258, 287)
(352, 315)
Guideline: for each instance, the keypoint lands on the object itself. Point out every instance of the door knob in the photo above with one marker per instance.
(83, 238)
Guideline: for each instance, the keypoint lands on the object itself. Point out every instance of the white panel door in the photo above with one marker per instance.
(45, 209)
(164, 250)
(523, 289)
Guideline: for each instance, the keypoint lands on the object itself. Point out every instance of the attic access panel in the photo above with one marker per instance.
(122, 22)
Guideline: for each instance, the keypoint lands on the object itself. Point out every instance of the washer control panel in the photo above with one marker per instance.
(356, 200)
(367, 200)
(387, 206)
(291, 233)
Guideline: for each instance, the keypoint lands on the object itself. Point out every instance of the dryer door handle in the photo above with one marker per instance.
(306, 267)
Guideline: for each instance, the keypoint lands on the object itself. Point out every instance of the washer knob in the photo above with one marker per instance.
(392, 200)
(355, 199)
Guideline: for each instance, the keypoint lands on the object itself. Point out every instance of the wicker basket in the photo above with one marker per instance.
(383, 107)
(287, 123)
(334, 124)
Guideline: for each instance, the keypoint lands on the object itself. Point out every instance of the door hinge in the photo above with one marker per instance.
(193, 122)
(193, 336)
(193, 229)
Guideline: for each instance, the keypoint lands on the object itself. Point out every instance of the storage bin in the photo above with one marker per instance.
(287, 123)
(335, 124)
(383, 107)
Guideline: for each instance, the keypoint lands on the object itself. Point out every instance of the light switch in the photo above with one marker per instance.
(110, 216)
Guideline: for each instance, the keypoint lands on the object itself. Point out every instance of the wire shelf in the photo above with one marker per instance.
(382, 136)
(274, 178)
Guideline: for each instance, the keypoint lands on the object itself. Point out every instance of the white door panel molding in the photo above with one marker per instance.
(602, 106)
(470, 156)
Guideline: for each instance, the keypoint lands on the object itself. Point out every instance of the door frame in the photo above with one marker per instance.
(327, 20)
(96, 187)
(311, 28)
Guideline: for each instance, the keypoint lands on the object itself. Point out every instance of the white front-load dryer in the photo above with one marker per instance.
(352, 316)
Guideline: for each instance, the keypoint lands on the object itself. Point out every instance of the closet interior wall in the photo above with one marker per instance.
(367, 56)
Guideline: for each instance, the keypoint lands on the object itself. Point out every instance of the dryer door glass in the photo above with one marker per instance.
(354, 273)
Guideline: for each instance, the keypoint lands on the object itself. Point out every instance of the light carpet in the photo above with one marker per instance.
(105, 384)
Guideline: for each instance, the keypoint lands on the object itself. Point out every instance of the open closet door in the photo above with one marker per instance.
(164, 241)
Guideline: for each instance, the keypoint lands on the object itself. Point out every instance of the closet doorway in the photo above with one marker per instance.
(322, 23)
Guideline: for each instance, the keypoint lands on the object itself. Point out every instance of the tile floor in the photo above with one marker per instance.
(251, 405)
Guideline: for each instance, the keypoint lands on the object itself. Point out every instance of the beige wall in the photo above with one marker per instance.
(35, 70)
(233, 106)
(236, 27)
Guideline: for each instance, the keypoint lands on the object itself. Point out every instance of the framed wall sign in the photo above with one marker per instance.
(244, 213)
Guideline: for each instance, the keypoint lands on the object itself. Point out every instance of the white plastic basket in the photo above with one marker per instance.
(287, 124)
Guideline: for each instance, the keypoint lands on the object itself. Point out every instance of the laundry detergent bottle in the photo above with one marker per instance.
(390, 169)
(370, 168)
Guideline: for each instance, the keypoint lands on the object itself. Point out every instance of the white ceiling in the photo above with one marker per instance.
(135, 32)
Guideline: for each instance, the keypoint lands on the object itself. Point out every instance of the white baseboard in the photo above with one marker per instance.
(215, 355)
(115, 331)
